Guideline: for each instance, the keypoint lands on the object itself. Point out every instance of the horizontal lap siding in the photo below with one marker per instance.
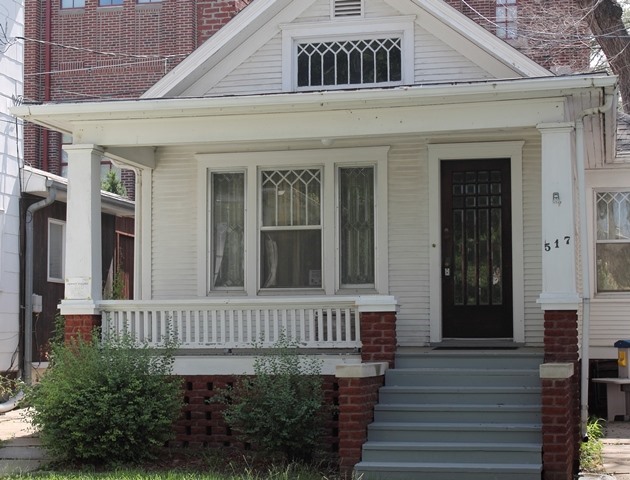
(437, 62)
(260, 73)
(434, 60)
(174, 226)
(408, 241)
(610, 321)
(532, 244)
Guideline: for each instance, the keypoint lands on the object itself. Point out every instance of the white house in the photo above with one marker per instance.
(327, 167)
(11, 89)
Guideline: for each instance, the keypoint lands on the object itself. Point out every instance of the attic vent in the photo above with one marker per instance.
(348, 8)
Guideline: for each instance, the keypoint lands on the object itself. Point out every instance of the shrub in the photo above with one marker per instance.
(280, 408)
(106, 402)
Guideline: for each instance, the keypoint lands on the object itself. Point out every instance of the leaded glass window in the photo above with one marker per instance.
(356, 225)
(228, 230)
(351, 62)
(613, 241)
(290, 232)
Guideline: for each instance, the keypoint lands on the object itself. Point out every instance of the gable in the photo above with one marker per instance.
(256, 52)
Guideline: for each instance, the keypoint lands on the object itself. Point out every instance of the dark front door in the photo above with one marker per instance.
(476, 249)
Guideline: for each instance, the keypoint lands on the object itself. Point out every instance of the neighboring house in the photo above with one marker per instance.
(389, 184)
(67, 59)
(49, 250)
(11, 89)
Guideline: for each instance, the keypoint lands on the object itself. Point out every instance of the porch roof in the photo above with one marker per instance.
(79, 118)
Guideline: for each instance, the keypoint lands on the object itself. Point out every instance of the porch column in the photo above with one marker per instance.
(378, 328)
(83, 264)
(559, 300)
(558, 218)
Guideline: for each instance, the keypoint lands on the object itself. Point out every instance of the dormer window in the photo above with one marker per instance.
(351, 53)
(347, 8)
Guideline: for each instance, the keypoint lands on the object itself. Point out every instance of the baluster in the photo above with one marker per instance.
(320, 325)
(329, 325)
(347, 318)
(302, 320)
(338, 324)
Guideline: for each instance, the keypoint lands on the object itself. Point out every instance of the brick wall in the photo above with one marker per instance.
(561, 398)
(201, 424)
(378, 337)
(108, 52)
(565, 51)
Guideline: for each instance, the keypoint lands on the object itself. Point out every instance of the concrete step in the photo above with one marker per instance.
(496, 413)
(437, 452)
(447, 471)
(454, 432)
(469, 359)
(492, 377)
(455, 394)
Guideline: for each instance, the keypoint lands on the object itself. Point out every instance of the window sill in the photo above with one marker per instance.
(610, 297)
(283, 292)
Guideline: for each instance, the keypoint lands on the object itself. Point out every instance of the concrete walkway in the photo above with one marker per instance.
(615, 452)
(20, 448)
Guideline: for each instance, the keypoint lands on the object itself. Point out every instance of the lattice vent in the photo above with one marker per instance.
(348, 8)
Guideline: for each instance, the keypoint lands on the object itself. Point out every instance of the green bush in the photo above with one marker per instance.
(591, 450)
(280, 409)
(106, 402)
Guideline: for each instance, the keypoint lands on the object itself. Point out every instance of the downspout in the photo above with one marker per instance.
(28, 281)
(584, 254)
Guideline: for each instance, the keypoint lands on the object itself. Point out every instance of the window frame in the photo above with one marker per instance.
(110, 4)
(596, 241)
(62, 223)
(351, 28)
(506, 28)
(73, 6)
(330, 160)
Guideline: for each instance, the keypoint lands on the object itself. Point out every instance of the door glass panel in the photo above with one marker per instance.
(477, 238)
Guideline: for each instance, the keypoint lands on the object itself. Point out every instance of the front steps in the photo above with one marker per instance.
(457, 414)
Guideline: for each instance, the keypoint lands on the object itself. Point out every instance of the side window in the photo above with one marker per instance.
(56, 247)
(356, 226)
(612, 250)
(227, 242)
(109, 3)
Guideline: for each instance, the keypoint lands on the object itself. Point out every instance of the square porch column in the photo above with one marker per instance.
(560, 301)
(83, 264)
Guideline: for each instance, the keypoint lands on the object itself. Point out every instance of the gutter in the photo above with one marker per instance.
(28, 282)
(584, 254)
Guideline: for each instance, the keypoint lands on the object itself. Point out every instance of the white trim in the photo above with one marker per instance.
(331, 159)
(609, 180)
(472, 151)
(146, 233)
(362, 370)
(346, 29)
(62, 224)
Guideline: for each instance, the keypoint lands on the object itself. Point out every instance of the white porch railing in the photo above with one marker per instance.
(225, 323)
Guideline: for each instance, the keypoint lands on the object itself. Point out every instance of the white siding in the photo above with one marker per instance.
(174, 243)
(532, 241)
(610, 321)
(409, 241)
(11, 87)
(261, 73)
(434, 61)
(437, 62)
(174, 226)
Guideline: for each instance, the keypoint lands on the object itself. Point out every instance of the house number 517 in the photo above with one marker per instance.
(557, 243)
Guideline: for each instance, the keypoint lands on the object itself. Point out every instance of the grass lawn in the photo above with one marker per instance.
(287, 474)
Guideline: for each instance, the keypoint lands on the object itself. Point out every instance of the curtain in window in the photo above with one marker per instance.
(228, 228)
(290, 242)
(356, 190)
